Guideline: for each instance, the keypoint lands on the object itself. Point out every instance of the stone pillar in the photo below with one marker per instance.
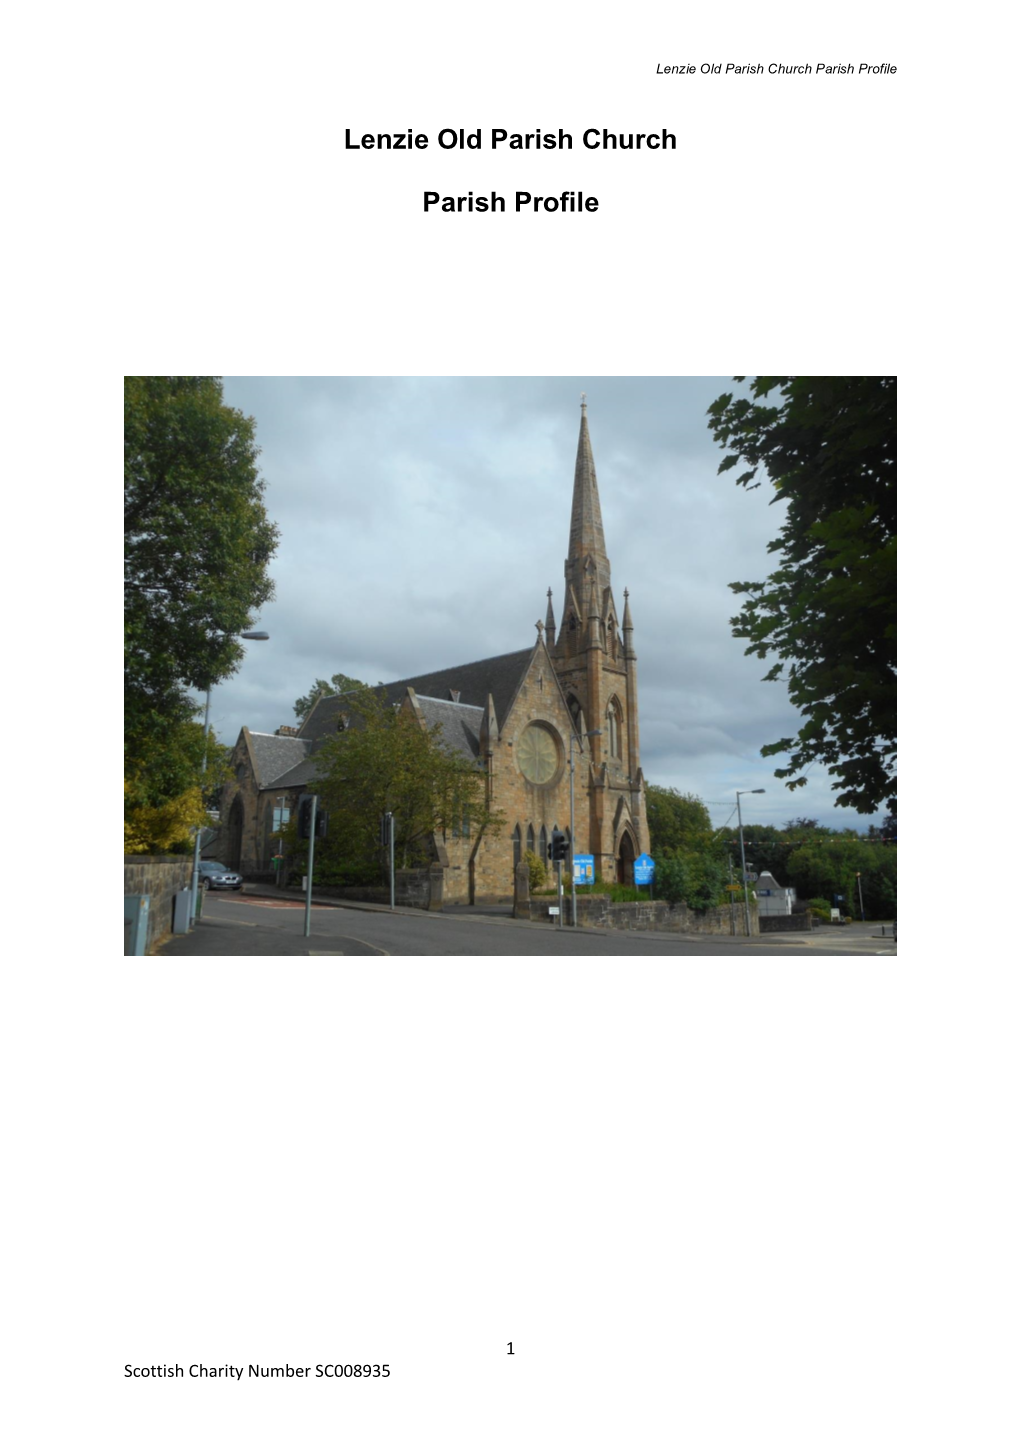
(522, 892)
(435, 887)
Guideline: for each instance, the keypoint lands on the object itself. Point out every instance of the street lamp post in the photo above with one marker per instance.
(573, 844)
(758, 791)
(245, 636)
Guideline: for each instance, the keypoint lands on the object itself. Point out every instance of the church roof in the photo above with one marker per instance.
(274, 755)
(458, 724)
(474, 681)
(298, 775)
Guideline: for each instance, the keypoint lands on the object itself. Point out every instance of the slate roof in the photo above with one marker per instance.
(459, 725)
(274, 755)
(475, 680)
(298, 775)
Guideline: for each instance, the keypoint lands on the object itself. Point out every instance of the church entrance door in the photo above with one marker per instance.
(625, 861)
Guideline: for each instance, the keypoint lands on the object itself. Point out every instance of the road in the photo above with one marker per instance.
(252, 925)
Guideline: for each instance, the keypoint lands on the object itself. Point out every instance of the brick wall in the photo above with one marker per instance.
(159, 877)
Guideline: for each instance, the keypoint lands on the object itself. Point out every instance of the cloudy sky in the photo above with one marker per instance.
(422, 521)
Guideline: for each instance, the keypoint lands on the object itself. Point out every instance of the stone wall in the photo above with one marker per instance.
(159, 877)
(801, 922)
(599, 910)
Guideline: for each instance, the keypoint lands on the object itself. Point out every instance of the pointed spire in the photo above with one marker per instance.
(550, 621)
(586, 535)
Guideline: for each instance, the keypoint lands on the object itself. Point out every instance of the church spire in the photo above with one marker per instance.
(587, 561)
(550, 621)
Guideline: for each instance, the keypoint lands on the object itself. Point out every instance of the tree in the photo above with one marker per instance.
(695, 878)
(197, 545)
(675, 819)
(336, 686)
(388, 761)
(829, 612)
(831, 868)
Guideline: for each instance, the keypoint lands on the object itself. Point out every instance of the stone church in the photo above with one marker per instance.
(514, 716)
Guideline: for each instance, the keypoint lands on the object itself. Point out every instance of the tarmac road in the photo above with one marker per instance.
(262, 923)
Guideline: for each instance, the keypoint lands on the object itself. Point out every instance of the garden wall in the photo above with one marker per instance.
(599, 910)
(158, 877)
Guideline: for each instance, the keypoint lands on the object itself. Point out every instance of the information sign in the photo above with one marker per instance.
(644, 870)
(584, 870)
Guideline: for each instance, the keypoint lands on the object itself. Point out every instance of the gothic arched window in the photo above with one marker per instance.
(531, 838)
(613, 729)
(517, 845)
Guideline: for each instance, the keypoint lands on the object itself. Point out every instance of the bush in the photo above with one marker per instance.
(538, 877)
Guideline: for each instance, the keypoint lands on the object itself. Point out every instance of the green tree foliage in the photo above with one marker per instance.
(694, 878)
(765, 849)
(675, 820)
(690, 865)
(819, 861)
(830, 868)
(387, 761)
(336, 686)
(197, 545)
(828, 448)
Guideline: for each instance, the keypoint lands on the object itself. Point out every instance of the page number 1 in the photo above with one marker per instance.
(510, 1350)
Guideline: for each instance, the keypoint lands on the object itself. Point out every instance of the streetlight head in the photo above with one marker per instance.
(758, 791)
(593, 733)
(254, 635)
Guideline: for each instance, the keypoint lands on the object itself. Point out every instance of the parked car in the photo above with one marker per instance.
(217, 877)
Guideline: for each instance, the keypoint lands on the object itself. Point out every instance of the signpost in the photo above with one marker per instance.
(386, 830)
(644, 870)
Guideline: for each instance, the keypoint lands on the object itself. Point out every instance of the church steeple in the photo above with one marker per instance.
(586, 551)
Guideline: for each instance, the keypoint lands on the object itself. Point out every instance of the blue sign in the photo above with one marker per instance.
(584, 870)
(644, 870)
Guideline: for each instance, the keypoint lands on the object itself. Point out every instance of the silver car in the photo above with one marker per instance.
(215, 876)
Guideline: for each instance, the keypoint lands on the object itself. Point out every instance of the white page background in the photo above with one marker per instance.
(723, 1199)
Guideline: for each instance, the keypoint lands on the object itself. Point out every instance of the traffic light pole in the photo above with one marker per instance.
(393, 884)
(559, 878)
(311, 864)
